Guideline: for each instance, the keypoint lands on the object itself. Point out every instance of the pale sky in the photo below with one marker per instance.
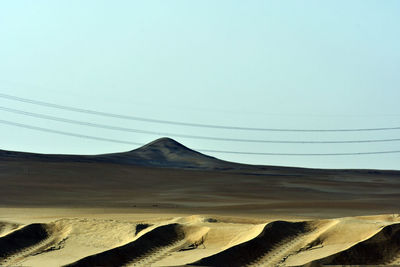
(264, 64)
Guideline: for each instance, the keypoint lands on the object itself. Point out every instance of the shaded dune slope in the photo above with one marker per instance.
(7, 227)
(29, 240)
(199, 241)
(21, 239)
(383, 248)
(136, 251)
(254, 251)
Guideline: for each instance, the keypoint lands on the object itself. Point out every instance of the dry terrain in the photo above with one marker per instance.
(166, 205)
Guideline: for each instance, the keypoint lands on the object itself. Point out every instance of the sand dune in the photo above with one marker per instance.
(158, 241)
(30, 240)
(203, 241)
(7, 227)
(382, 248)
(261, 249)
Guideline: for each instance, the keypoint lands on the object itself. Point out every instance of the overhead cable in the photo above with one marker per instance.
(201, 150)
(124, 129)
(178, 123)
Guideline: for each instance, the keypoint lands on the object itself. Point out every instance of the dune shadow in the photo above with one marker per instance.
(381, 249)
(273, 234)
(134, 251)
(21, 239)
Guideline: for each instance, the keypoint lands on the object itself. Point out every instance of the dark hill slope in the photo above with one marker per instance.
(163, 152)
(167, 153)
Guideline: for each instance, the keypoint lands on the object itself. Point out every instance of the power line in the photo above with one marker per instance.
(201, 150)
(199, 125)
(300, 154)
(124, 129)
(31, 127)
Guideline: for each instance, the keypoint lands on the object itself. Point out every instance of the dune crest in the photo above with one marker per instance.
(203, 241)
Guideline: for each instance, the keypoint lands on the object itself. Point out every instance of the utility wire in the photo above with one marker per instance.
(199, 125)
(201, 150)
(124, 129)
(31, 127)
(299, 154)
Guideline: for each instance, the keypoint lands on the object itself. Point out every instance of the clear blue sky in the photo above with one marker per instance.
(275, 64)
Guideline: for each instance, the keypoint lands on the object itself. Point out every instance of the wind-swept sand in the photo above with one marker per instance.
(126, 240)
(167, 205)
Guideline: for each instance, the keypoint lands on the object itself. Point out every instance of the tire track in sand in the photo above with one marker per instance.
(29, 240)
(148, 248)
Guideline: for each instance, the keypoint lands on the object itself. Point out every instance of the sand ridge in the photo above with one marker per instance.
(200, 240)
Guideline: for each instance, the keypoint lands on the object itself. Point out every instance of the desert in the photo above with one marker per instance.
(223, 133)
(167, 205)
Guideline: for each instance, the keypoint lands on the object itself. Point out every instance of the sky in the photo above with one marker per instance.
(256, 64)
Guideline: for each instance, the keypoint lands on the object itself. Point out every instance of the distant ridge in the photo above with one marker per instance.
(168, 153)
(164, 152)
